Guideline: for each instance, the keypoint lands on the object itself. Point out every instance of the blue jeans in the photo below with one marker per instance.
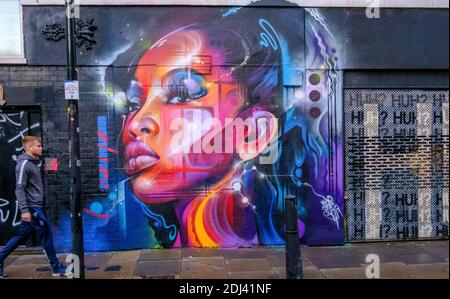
(40, 223)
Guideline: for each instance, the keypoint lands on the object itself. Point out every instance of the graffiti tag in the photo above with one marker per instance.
(329, 208)
(4, 216)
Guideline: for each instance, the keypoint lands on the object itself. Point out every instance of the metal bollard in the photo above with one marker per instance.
(294, 268)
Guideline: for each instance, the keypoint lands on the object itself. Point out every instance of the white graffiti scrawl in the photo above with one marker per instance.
(4, 216)
(330, 209)
(4, 118)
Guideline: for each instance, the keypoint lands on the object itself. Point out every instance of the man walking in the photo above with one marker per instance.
(30, 196)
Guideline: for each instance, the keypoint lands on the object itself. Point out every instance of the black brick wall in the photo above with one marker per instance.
(44, 86)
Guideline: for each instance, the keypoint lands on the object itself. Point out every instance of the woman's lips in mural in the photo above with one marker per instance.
(139, 156)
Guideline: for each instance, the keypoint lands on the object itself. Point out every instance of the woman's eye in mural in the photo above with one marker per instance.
(183, 86)
(134, 93)
(134, 105)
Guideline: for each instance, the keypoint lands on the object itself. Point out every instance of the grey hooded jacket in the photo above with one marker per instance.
(29, 185)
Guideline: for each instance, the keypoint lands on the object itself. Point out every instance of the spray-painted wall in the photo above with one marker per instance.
(163, 165)
(13, 125)
(186, 178)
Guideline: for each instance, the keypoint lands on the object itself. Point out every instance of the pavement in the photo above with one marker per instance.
(398, 260)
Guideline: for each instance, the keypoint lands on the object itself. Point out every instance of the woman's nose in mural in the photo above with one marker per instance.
(143, 127)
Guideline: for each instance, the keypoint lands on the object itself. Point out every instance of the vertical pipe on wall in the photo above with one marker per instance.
(74, 144)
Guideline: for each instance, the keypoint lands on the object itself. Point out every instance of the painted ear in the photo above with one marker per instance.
(260, 133)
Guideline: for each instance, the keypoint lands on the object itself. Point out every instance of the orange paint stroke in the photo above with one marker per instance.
(102, 136)
(108, 149)
(199, 224)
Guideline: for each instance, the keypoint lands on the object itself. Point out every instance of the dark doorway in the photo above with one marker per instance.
(15, 122)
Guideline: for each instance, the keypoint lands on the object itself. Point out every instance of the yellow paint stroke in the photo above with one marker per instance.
(199, 225)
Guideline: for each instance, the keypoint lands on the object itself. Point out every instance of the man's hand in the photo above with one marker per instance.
(26, 217)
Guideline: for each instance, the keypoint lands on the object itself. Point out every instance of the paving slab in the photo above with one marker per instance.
(195, 252)
(431, 271)
(125, 257)
(97, 274)
(243, 254)
(216, 274)
(158, 268)
(332, 260)
(202, 267)
(387, 253)
(309, 272)
(276, 260)
(31, 260)
(396, 270)
(441, 251)
(281, 272)
(160, 254)
(270, 274)
(242, 265)
(9, 260)
(97, 259)
(267, 250)
(306, 262)
(313, 273)
(280, 261)
(22, 272)
(126, 272)
(345, 273)
(214, 262)
(420, 258)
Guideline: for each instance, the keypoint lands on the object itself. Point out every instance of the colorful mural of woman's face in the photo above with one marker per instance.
(181, 77)
(197, 184)
(169, 80)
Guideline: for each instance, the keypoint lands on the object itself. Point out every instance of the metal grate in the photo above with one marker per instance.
(396, 164)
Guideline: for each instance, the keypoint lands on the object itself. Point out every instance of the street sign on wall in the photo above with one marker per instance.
(71, 90)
